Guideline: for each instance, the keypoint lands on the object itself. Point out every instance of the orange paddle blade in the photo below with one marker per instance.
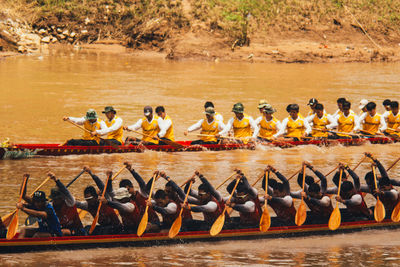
(12, 228)
(7, 218)
(143, 223)
(335, 219)
(379, 211)
(265, 221)
(218, 224)
(176, 227)
(396, 213)
(301, 214)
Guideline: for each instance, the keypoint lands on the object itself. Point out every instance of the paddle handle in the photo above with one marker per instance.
(118, 172)
(359, 163)
(304, 179)
(154, 137)
(98, 208)
(225, 181)
(332, 170)
(258, 179)
(79, 126)
(41, 185)
(374, 172)
(291, 177)
(22, 189)
(73, 180)
(394, 163)
(266, 189)
(340, 183)
(186, 197)
(233, 190)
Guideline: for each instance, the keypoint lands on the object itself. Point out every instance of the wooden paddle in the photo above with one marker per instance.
(227, 179)
(394, 163)
(7, 217)
(108, 142)
(379, 210)
(265, 221)
(13, 226)
(335, 132)
(294, 174)
(96, 218)
(169, 142)
(336, 218)
(176, 226)
(301, 214)
(220, 221)
(143, 223)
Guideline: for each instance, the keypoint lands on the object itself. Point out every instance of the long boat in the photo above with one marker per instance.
(156, 239)
(30, 150)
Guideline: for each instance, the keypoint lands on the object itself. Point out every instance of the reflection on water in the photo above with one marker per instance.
(37, 93)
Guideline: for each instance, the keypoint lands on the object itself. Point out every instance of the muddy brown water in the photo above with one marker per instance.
(37, 91)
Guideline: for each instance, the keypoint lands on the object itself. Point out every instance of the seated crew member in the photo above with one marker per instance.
(386, 104)
(294, 126)
(209, 128)
(65, 208)
(339, 102)
(322, 121)
(279, 199)
(393, 120)
(150, 125)
(217, 116)
(346, 120)
(363, 106)
(312, 102)
(37, 206)
(371, 122)
(267, 125)
(166, 125)
(140, 196)
(108, 220)
(91, 123)
(242, 124)
(166, 207)
(127, 208)
(314, 196)
(114, 130)
(208, 201)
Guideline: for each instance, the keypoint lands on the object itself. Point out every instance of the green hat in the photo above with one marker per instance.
(91, 114)
(109, 109)
(210, 111)
(262, 103)
(55, 193)
(268, 109)
(238, 108)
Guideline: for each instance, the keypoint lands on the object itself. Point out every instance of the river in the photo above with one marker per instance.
(37, 91)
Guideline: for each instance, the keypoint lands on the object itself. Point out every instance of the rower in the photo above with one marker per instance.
(312, 103)
(217, 115)
(339, 102)
(347, 120)
(208, 201)
(393, 120)
(150, 125)
(279, 199)
(267, 125)
(315, 196)
(114, 130)
(294, 126)
(140, 196)
(321, 120)
(91, 123)
(166, 207)
(209, 128)
(108, 219)
(371, 122)
(65, 207)
(242, 124)
(166, 125)
(37, 206)
(246, 202)
(386, 106)
(363, 106)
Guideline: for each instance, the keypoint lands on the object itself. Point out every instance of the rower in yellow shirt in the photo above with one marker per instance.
(339, 102)
(91, 123)
(242, 124)
(217, 115)
(267, 125)
(166, 125)
(347, 121)
(294, 126)
(150, 125)
(371, 122)
(209, 128)
(114, 130)
(393, 120)
(321, 122)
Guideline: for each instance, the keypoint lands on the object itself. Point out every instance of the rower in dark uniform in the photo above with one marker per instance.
(65, 207)
(168, 209)
(109, 222)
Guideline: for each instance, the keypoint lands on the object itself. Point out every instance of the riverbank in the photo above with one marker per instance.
(253, 31)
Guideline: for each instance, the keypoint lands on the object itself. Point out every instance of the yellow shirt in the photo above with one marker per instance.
(117, 134)
(320, 123)
(170, 132)
(295, 128)
(209, 129)
(91, 127)
(242, 128)
(371, 124)
(151, 129)
(393, 122)
(346, 124)
(268, 128)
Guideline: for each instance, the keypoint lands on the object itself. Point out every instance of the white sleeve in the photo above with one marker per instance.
(287, 201)
(136, 126)
(282, 130)
(307, 126)
(79, 121)
(114, 127)
(383, 124)
(227, 127)
(360, 121)
(195, 126)
(164, 126)
(332, 122)
(171, 208)
(386, 115)
(336, 113)
(219, 117)
(221, 125)
(278, 125)
(310, 118)
(257, 122)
